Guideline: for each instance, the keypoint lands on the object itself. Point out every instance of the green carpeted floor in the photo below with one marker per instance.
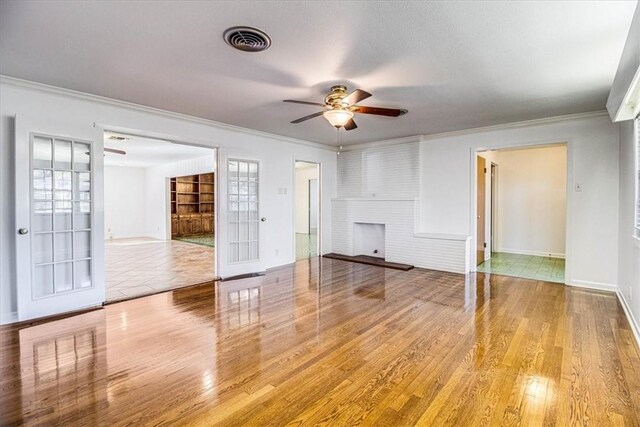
(306, 246)
(204, 240)
(526, 266)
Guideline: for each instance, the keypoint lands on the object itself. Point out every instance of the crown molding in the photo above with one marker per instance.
(41, 87)
(383, 143)
(513, 125)
(516, 125)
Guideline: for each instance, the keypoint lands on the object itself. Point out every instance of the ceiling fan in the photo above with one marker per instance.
(117, 138)
(340, 108)
(114, 151)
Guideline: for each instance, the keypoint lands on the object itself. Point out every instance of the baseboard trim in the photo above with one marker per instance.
(593, 285)
(533, 253)
(9, 318)
(635, 328)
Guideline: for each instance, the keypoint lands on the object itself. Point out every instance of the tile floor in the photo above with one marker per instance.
(306, 246)
(143, 266)
(526, 266)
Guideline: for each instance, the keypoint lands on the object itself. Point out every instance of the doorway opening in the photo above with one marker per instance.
(521, 212)
(159, 211)
(307, 209)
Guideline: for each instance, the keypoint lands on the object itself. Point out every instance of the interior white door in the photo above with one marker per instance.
(58, 237)
(244, 223)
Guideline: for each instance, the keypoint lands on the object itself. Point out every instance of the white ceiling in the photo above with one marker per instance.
(146, 152)
(453, 65)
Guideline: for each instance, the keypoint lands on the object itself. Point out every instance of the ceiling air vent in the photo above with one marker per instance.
(247, 39)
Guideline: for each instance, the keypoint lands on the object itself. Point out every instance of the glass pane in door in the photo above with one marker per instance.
(243, 213)
(61, 232)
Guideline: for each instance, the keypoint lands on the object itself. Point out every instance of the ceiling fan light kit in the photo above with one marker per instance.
(342, 108)
(338, 118)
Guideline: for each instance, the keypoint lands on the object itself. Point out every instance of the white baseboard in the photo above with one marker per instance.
(635, 328)
(9, 318)
(593, 285)
(534, 253)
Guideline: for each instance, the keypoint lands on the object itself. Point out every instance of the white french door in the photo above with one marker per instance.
(60, 264)
(244, 223)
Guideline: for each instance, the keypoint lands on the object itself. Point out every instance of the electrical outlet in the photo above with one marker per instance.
(578, 187)
(277, 251)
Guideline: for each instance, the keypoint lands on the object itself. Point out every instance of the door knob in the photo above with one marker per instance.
(263, 219)
(23, 231)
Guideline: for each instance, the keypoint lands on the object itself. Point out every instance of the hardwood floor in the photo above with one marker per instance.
(331, 342)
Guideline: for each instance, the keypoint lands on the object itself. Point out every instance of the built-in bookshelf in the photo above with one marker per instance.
(192, 204)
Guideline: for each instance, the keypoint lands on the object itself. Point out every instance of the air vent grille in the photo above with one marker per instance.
(247, 39)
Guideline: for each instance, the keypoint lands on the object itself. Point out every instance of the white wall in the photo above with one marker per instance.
(448, 202)
(124, 202)
(303, 176)
(80, 113)
(531, 201)
(629, 246)
(157, 191)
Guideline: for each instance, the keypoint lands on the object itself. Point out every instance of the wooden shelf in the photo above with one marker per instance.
(192, 204)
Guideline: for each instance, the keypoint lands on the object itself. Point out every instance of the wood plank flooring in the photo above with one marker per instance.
(328, 342)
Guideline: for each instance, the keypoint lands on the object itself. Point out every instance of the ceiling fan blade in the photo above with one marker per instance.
(355, 97)
(390, 112)
(350, 125)
(114, 151)
(310, 116)
(303, 102)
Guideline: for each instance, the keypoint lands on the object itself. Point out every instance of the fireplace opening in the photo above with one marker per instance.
(368, 239)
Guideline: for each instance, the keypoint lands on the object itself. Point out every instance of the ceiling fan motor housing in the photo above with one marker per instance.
(337, 94)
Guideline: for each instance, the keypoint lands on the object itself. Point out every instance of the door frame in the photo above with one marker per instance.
(102, 128)
(309, 211)
(481, 217)
(568, 142)
(494, 205)
(293, 205)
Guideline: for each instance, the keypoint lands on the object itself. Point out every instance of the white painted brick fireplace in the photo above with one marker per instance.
(401, 243)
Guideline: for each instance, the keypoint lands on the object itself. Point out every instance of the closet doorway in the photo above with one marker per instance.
(307, 209)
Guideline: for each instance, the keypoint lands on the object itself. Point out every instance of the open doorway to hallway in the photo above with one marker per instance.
(307, 209)
(521, 212)
(159, 215)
